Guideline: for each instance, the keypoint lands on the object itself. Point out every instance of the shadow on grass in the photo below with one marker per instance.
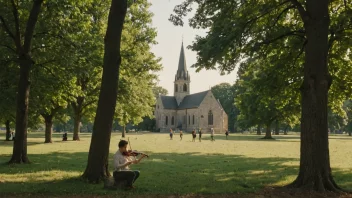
(161, 173)
(252, 137)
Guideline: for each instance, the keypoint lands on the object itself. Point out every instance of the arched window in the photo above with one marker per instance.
(193, 120)
(172, 120)
(189, 120)
(185, 87)
(166, 120)
(176, 88)
(210, 118)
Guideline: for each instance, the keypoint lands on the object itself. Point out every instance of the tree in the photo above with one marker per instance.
(239, 30)
(97, 167)
(22, 42)
(225, 93)
(135, 96)
(88, 69)
(158, 90)
(48, 101)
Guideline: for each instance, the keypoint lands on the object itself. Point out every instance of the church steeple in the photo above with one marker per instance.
(182, 78)
(182, 72)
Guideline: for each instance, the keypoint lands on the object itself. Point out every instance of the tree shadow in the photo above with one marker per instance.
(161, 173)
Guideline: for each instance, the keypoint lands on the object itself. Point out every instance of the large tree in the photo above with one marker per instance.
(88, 62)
(97, 167)
(239, 30)
(20, 28)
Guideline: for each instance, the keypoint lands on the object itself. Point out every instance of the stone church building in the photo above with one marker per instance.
(186, 111)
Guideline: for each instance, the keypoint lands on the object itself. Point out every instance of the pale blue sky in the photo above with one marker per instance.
(169, 45)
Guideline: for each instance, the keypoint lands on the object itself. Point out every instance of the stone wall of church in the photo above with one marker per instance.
(220, 120)
(166, 119)
(190, 119)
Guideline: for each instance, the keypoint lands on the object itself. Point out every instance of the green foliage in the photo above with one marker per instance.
(135, 95)
(158, 90)
(225, 93)
(267, 38)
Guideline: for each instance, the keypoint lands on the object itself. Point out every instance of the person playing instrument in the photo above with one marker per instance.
(181, 134)
(122, 161)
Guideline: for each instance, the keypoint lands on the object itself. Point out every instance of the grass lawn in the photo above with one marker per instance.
(242, 164)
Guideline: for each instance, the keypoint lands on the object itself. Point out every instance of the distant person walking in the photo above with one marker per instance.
(200, 134)
(194, 135)
(181, 134)
(171, 134)
(227, 133)
(212, 134)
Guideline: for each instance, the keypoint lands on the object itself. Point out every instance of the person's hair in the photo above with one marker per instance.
(122, 143)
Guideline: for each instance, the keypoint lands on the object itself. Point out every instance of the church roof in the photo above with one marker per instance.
(188, 102)
(169, 102)
(193, 100)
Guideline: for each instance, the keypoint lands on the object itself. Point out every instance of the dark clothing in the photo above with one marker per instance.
(64, 137)
(129, 176)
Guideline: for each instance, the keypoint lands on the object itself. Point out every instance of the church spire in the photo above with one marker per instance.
(182, 72)
(182, 78)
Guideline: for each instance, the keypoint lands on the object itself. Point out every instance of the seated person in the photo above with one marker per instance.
(121, 164)
(64, 137)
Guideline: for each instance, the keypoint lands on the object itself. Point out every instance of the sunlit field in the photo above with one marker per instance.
(241, 164)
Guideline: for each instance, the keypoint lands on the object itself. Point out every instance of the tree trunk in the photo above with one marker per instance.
(268, 132)
(350, 133)
(258, 129)
(314, 170)
(77, 107)
(19, 154)
(8, 131)
(48, 128)
(97, 167)
(285, 130)
(277, 130)
(123, 131)
(76, 127)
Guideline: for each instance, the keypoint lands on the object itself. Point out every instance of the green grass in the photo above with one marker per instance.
(241, 164)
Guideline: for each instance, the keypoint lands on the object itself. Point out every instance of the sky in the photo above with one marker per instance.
(169, 46)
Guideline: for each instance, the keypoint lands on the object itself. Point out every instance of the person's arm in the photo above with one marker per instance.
(120, 165)
(138, 160)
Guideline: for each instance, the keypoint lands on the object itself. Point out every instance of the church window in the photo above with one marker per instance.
(193, 120)
(172, 120)
(176, 88)
(166, 120)
(210, 118)
(189, 119)
(185, 87)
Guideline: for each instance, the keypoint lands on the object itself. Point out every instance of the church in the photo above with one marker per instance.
(185, 111)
